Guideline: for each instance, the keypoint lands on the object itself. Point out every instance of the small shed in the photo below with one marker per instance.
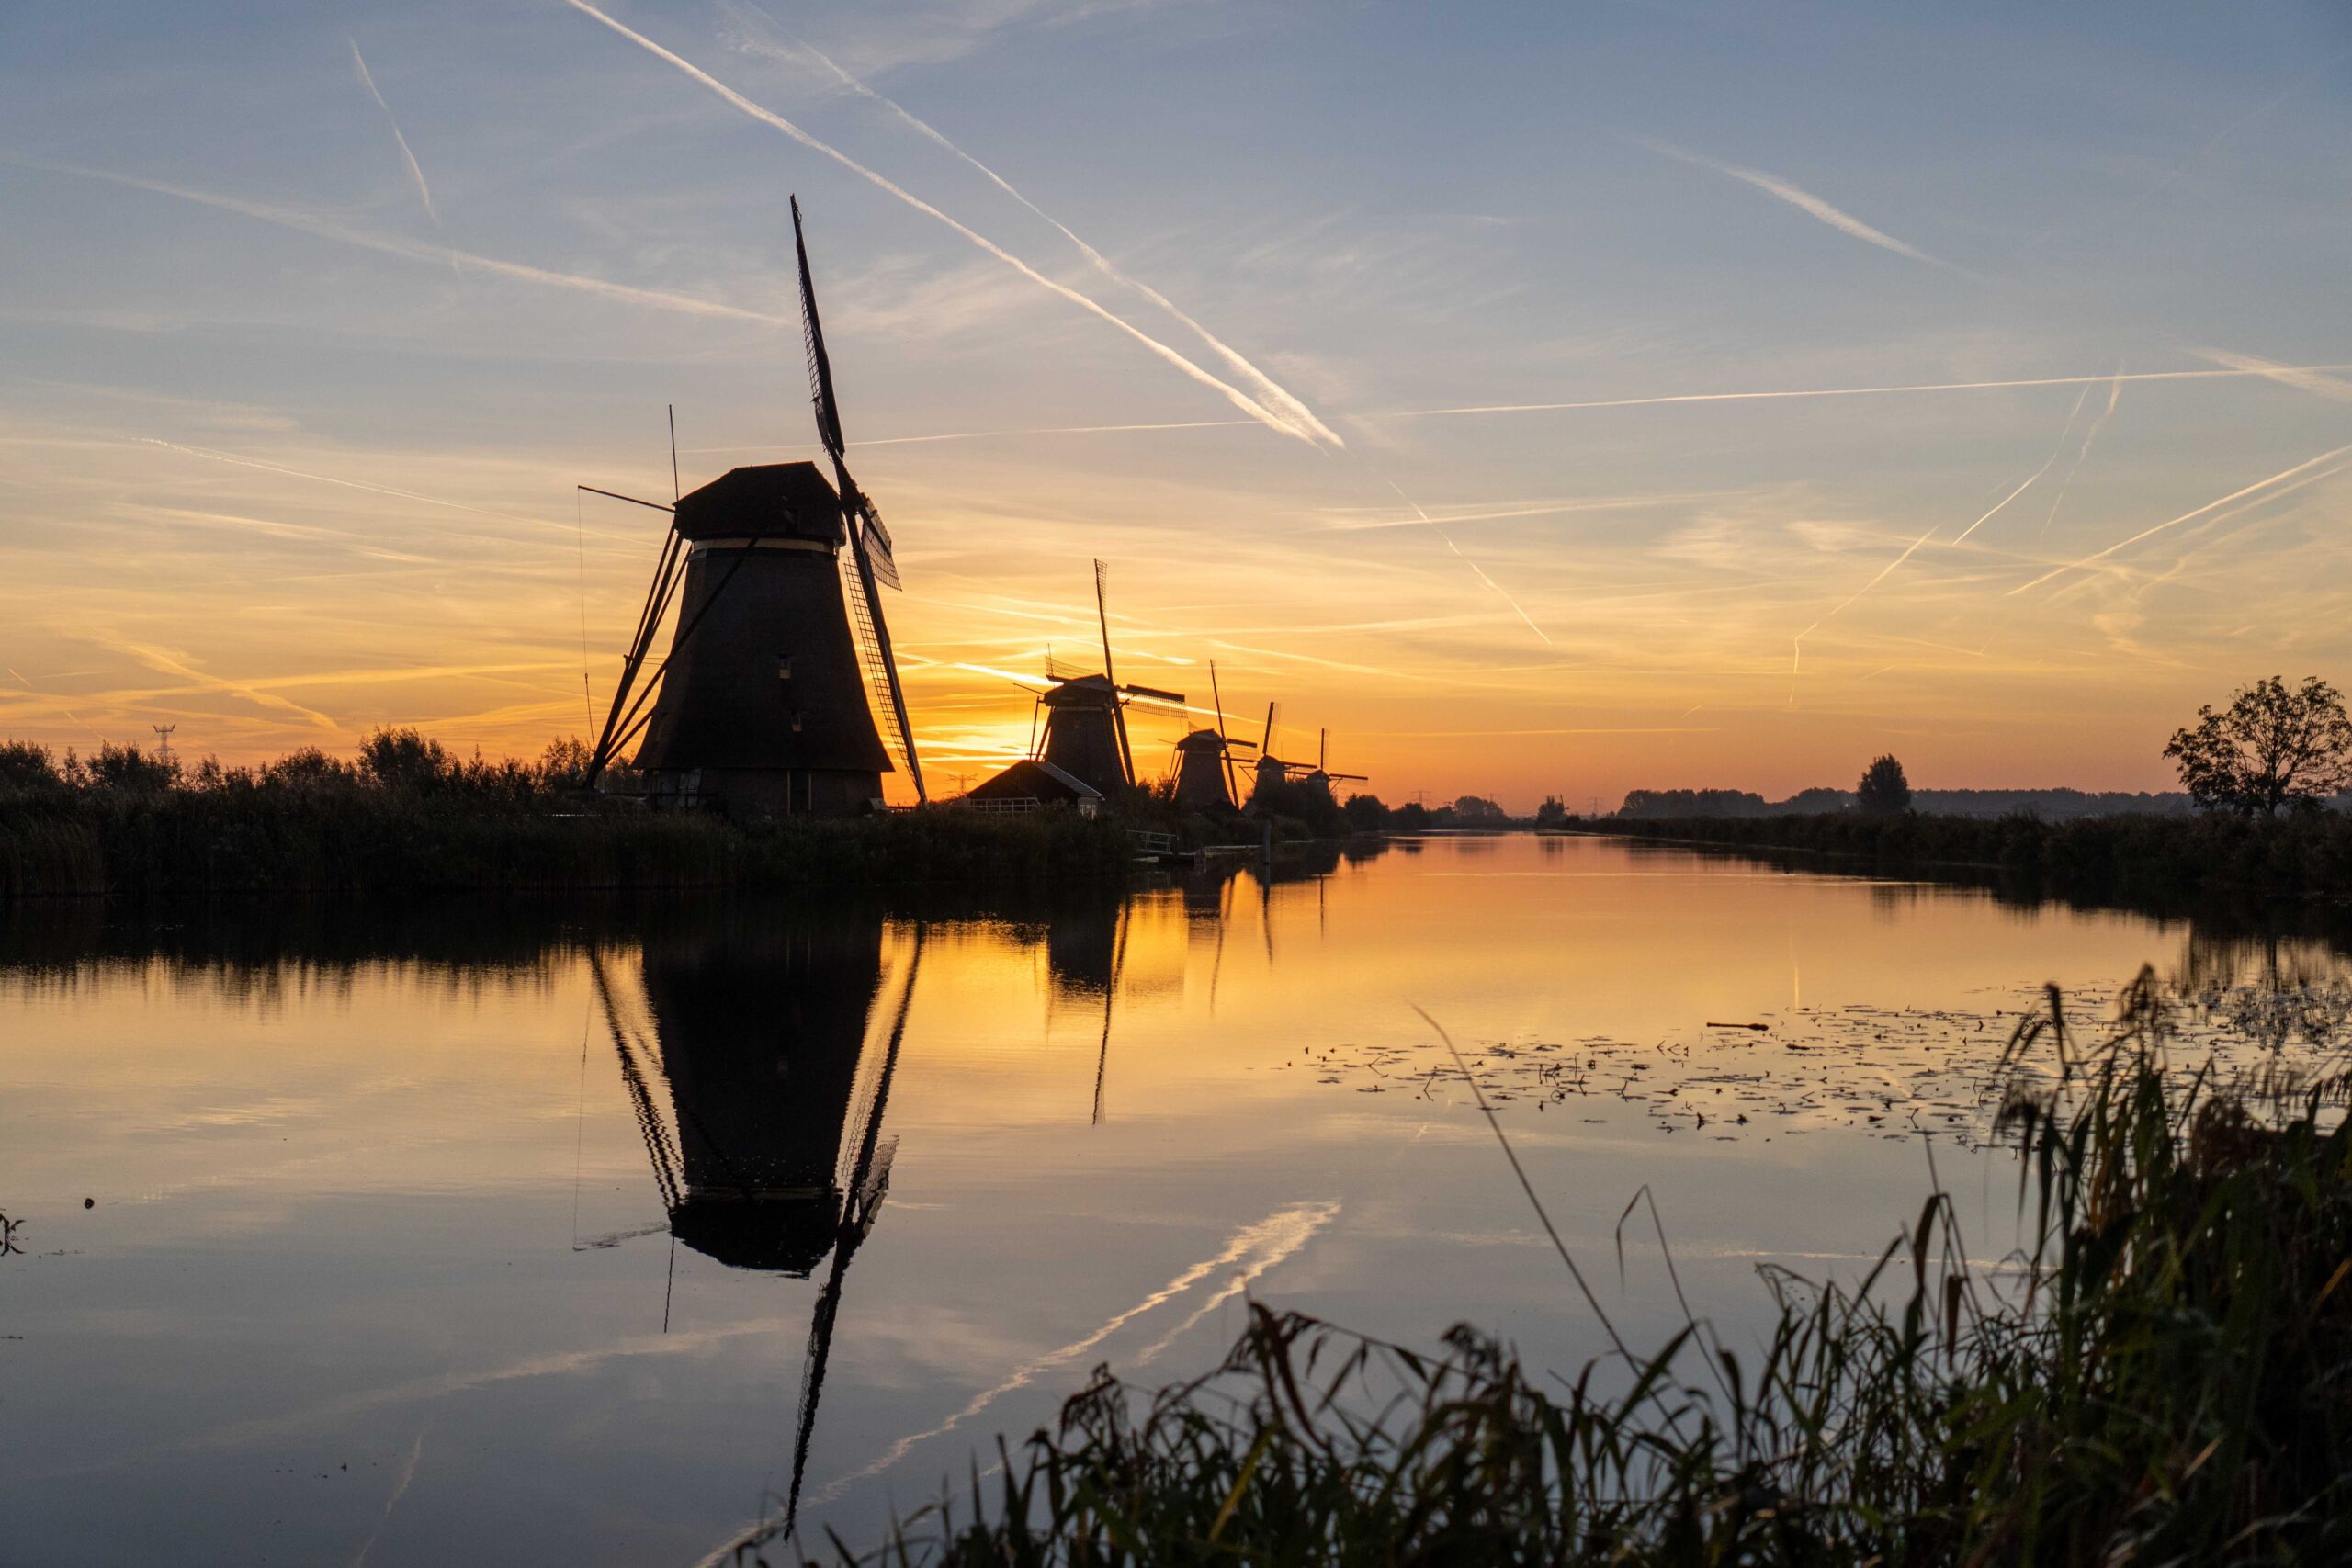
(1032, 783)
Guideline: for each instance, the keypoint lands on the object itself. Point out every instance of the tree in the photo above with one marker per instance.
(2271, 747)
(1551, 813)
(1365, 814)
(1884, 789)
(1479, 809)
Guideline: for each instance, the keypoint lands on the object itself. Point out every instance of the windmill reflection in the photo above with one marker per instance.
(774, 1047)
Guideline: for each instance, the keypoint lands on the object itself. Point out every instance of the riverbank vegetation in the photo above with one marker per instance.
(2159, 1376)
(2165, 861)
(405, 817)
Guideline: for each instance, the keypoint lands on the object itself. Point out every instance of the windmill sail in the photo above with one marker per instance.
(870, 541)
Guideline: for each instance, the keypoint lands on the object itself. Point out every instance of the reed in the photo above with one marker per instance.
(2164, 1376)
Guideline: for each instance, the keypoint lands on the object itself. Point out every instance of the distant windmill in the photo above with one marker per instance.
(781, 661)
(1205, 770)
(1085, 740)
(1316, 776)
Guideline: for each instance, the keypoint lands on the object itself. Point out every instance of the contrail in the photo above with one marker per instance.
(1234, 395)
(2300, 378)
(418, 250)
(1803, 200)
(1465, 560)
(2072, 414)
(1796, 652)
(2114, 394)
(414, 173)
(2187, 517)
(2272, 371)
(354, 484)
(993, 434)
(1267, 389)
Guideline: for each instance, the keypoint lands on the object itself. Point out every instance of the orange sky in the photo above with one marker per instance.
(1477, 440)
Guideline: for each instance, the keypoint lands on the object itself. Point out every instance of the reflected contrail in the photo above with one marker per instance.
(419, 250)
(1267, 389)
(1268, 1242)
(423, 190)
(2302, 468)
(1234, 395)
(2271, 372)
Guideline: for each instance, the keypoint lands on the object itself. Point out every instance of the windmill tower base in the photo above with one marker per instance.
(744, 793)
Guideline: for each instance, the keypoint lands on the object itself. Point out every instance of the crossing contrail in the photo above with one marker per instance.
(1803, 200)
(2271, 372)
(1465, 560)
(2114, 394)
(2300, 469)
(423, 191)
(1268, 391)
(419, 250)
(1234, 395)
(2071, 415)
(1796, 652)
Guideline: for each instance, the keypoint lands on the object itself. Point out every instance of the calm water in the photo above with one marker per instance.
(515, 1240)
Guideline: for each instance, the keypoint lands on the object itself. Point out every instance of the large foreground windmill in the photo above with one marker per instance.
(780, 663)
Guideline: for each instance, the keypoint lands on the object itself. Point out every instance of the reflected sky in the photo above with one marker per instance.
(548, 1256)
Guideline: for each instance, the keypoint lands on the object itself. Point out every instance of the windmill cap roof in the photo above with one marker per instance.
(1202, 740)
(774, 500)
(1083, 691)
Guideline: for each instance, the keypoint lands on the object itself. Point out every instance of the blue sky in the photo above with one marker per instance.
(230, 322)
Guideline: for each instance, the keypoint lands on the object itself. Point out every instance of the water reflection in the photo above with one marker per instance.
(775, 1046)
(343, 1160)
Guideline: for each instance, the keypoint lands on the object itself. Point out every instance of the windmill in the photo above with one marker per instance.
(1205, 762)
(776, 1049)
(1084, 743)
(781, 661)
(1274, 773)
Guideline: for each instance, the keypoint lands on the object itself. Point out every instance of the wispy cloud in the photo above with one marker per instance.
(423, 191)
(419, 250)
(1268, 391)
(2273, 372)
(1239, 398)
(1803, 200)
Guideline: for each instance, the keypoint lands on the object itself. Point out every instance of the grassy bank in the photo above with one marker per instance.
(406, 819)
(2166, 1376)
(2132, 859)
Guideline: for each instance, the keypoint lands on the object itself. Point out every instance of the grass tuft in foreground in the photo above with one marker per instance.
(2165, 1378)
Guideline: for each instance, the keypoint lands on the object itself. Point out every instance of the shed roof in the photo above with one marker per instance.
(1034, 778)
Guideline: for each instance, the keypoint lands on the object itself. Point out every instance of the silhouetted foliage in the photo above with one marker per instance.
(28, 769)
(1366, 813)
(1413, 817)
(2271, 748)
(1476, 811)
(1551, 813)
(410, 818)
(1882, 790)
